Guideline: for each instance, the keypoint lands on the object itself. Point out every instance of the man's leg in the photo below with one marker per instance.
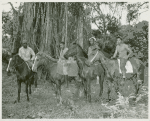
(122, 66)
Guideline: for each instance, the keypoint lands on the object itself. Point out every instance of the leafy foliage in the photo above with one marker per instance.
(134, 10)
(7, 23)
(137, 37)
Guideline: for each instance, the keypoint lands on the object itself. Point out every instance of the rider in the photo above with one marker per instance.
(91, 49)
(122, 49)
(26, 53)
(93, 45)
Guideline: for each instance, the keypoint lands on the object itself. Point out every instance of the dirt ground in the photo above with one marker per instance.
(43, 103)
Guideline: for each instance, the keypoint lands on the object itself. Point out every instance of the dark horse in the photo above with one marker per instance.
(112, 69)
(50, 66)
(23, 73)
(86, 73)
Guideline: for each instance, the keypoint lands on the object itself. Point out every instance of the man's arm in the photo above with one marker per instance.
(89, 51)
(115, 54)
(129, 50)
(33, 54)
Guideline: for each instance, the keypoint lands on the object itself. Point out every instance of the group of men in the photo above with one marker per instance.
(28, 55)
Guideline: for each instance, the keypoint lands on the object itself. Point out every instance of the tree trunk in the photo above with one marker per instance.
(80, 29)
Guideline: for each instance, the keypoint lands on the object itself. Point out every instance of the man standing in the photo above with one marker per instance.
(27, 54)
(122, 49)
(62, 62)
(63, 50)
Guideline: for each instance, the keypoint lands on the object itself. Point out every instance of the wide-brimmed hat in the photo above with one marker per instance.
(93, 39)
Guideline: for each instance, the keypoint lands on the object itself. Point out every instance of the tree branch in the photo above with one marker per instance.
(142, 4)
(14, 10)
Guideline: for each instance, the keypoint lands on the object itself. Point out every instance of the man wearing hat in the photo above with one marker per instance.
(27, 54)
(122, 49)
(93, 45)
(91, 49)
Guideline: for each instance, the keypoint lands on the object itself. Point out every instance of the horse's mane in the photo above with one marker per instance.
(84, 53)
(47, 56)
(20, 59)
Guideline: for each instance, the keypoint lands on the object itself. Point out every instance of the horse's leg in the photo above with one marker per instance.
(19, 89)
(58, 94)
(89, 90)
(66, 80)
(85, 88)
(107, 90)
(59, 90)
(27, 90)
(35, 80)
(29, 87)
(101, 84)
(135, 87)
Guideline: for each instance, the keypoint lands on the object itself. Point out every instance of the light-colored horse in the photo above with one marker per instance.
(50, 65)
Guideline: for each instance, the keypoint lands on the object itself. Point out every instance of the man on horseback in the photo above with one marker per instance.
(123, 51)
(93, 45)
(27, 54)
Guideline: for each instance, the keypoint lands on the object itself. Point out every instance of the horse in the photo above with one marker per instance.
(50, 66)
(23, 73)
(86, 73)
(112, 69)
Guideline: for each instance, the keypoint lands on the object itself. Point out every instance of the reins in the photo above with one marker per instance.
(19, 64)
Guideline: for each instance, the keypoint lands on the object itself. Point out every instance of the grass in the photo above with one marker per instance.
(43, 102)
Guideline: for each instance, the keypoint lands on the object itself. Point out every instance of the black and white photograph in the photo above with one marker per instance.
(75, 60)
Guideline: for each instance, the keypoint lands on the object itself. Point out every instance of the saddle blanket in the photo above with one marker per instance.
(62, 68)
(73, 69)
(128, 66)
(69, 68)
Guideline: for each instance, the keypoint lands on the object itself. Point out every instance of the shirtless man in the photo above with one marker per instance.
(122, 49)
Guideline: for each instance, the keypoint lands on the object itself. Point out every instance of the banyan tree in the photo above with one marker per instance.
(46, 24)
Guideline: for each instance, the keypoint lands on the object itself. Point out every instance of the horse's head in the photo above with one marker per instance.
(38, 61)
(75, 50)
(13, 62)
(72, 51)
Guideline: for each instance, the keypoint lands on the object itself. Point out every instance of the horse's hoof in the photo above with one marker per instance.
(15, 101)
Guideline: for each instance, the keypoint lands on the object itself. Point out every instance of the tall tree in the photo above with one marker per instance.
(134, 11)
